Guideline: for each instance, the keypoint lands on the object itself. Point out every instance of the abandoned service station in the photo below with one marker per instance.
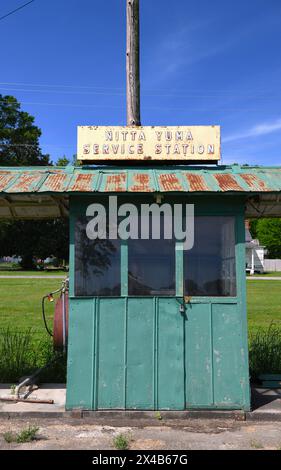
(152, 326)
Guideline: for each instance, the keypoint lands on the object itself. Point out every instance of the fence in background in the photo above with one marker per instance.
(272, 264)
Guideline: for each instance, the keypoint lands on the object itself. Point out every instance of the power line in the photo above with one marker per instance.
(16, 9)
(146, 91)
(36, 145)
(47, 85)
(190, 95)
(156, 108)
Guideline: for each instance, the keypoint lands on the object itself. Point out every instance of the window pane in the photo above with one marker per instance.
(151, 267)
(209, 267)
(97, 264)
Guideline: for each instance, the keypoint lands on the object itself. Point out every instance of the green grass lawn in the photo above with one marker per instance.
(20, 272)
(20, 302)
(264, 303)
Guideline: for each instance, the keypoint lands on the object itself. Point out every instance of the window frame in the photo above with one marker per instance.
(236, 211)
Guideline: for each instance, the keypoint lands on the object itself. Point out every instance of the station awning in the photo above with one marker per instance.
(43, 192)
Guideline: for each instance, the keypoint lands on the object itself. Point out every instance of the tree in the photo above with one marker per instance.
(268, 232)
(34, 239)
(253, 228)
(19, 146)
(63, 161)
(19, 136)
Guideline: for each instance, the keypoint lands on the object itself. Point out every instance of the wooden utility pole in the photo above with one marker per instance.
(133, 63)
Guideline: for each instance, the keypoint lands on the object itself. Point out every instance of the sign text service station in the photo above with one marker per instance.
(194, 143)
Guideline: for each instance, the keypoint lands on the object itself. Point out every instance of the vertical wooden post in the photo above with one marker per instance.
(133, 63)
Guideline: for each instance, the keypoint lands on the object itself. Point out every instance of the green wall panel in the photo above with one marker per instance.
(140, 354)
(198, 354)
(111, 354)
(80, 380)
(170, 355)
(226, 354)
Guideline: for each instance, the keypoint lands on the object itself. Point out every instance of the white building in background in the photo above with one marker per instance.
(255, 253)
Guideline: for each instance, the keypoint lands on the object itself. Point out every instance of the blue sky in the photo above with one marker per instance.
(204, 62)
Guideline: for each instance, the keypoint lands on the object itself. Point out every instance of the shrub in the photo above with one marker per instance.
(121, 442)
(26, 435)
(22, 353)
(265, 351)
(15, 354)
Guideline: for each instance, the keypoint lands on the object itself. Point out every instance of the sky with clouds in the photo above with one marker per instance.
(204, 62)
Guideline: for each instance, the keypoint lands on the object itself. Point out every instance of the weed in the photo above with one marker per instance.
(27, 434)
(265, 351)
(22, 352)
(121, 442)
(15, 348)
(13, 389)
(10, 437)
(158, 415)
(256, 445)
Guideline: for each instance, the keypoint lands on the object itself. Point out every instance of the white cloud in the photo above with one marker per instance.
(255, 131)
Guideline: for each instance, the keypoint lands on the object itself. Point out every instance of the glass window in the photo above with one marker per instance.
(209, 267)
(151, 268)
(97, 264)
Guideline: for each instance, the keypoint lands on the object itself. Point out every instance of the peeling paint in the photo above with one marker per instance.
(141, 183)
(5, 180)
(227, 182)
(55, 182)
(82, 183)
(169, 182)
(116, 182)
(196, 182)
(254, 183)
(25, 183)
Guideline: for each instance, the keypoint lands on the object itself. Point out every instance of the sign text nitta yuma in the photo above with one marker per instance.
(167, 144)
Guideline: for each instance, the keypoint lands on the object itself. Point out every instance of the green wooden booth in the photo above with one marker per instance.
(151, 326)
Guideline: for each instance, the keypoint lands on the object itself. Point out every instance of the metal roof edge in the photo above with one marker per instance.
(72, 168)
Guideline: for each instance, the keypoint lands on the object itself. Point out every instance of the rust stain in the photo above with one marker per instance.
(227, 182)
(25, 183)
(116, 183)
(55, 182)
(169, 182)
(141, 183)
(255, 183)
(5, 179)
(82, 183)
(196, 182)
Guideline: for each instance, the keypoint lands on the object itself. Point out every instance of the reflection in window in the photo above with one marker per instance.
(151, 268)
(209, 267)
(97, 264)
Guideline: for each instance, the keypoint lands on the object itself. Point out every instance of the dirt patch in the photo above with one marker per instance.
(196, 434)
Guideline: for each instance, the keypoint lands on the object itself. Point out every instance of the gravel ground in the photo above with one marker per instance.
(191, 435)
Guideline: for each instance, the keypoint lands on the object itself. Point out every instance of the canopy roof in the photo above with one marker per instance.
(38, 192)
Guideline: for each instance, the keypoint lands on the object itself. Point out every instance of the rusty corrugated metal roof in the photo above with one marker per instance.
(219, 179)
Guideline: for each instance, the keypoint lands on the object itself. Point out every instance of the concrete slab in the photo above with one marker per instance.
(54, 392)
(266, 407)
(266, 404)
(263, 278)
